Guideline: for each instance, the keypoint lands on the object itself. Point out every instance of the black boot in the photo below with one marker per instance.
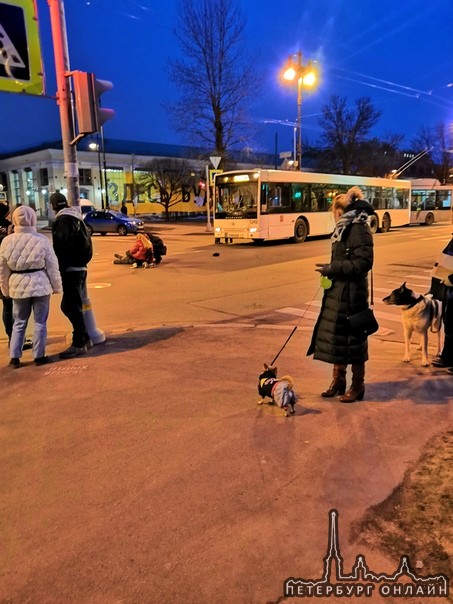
(357, 390)
(338, 385)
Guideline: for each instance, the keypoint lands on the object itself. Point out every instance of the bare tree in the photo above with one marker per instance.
(440, 142)
(170, 178)
(345, 129)
(214, 78)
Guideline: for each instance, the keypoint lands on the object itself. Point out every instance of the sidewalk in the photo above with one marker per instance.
(145, 472)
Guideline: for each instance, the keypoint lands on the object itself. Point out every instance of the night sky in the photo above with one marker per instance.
(400, 54)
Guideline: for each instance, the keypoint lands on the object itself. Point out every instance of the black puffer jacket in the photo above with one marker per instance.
(352, 259)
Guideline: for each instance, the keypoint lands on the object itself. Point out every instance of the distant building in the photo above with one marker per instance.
(29, 177)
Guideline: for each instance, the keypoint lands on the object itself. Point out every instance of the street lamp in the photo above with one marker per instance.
(305, 75)
(95, 147)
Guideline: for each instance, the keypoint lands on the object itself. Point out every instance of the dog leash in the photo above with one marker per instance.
(295, 327)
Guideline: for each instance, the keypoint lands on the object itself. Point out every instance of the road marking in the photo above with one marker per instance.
(98, 285)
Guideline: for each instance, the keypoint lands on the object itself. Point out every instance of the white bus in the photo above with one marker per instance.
(430, 202)
(279, 204)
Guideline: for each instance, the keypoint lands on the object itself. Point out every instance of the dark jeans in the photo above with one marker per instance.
(7, 316)
(72, 304)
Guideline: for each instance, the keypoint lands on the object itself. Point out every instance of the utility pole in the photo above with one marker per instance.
(60, 45)
(71, 167)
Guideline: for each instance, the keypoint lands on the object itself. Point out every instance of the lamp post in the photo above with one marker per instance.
(305, 75)
(96, 147)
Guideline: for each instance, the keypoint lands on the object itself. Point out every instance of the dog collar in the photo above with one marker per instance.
(419, 299)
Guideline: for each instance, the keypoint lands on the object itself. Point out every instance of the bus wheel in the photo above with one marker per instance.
(300, 231)
(429, 220)
(374, 223)
(386, 223)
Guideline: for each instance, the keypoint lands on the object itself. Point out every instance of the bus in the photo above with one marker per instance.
(260, 204)
(430, 202)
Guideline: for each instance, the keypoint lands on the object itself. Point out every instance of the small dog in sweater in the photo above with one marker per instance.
(280, 390)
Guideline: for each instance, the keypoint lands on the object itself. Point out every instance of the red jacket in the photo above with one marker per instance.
(138, 250)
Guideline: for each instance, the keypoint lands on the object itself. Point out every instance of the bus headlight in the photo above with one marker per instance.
(253, 230)
(217, 229)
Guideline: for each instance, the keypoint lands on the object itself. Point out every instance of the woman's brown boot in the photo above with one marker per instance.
(338, 385)
(357, 390)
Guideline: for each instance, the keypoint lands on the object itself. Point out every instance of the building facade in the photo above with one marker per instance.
(109, 175)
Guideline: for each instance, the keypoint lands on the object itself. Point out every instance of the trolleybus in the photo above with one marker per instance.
(430, 202)
(262, 204)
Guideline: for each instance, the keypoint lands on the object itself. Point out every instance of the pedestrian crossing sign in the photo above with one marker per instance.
(20, 51)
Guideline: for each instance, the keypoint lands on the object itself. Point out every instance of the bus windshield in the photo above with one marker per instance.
(236, 200)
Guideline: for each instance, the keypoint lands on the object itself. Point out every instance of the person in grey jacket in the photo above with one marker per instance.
(29, 275)
(333, 340)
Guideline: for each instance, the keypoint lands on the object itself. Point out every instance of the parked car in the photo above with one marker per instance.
(109, 221)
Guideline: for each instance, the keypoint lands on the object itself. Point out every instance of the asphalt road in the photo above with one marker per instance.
(145, 472)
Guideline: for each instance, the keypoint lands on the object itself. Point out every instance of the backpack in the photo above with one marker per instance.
(159, 247)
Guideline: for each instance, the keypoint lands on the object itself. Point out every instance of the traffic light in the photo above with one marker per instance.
(87, 92)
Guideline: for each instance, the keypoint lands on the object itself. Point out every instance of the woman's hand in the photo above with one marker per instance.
(324, 269)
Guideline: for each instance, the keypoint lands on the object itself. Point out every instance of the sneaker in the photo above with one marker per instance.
(42, 360)
(89, 344)
(73, 351)
(145, 265)
(450, 370)
(15, 363)
(118, 256)
(135, 265)
(151, 265)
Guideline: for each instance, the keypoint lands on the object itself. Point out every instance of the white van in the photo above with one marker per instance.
(86, 206)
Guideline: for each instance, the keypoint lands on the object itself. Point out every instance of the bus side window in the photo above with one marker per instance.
(322, 203)
(285, 198)
(273, 199)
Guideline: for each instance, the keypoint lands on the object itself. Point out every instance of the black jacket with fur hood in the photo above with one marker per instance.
(351, 260)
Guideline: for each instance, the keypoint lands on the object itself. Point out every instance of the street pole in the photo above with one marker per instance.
(299, 123)
(101, 179)
(60, 45)
(71, 168)
(106, 184)
(208, 202)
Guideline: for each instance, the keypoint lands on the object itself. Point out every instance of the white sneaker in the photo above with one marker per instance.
(135, 265)
(144, 265)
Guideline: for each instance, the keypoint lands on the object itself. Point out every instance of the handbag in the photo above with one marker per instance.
(364, 322)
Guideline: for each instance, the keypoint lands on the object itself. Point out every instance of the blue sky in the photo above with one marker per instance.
(400, 54)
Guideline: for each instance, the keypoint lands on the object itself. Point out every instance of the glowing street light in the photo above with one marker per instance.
(96, 147)
(305, 75)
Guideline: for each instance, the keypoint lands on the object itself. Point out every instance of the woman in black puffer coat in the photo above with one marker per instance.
(351, 260)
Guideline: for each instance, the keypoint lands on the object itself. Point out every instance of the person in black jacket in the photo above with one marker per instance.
(7, 312)
(442, 289)
(333, 340)
(73, 247)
